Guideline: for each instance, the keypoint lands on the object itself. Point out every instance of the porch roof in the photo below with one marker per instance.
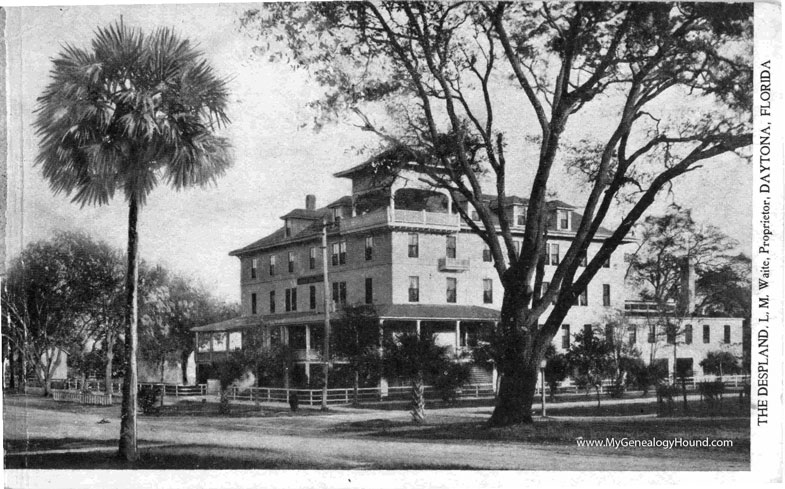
(436, 311)
(234, 324)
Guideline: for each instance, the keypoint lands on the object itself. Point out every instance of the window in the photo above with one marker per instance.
(291, 299)
(582, 259)
(651, 334)
(563, 220)
(272, 265)
(565, 336)
(414, 289)
(553, 254)
(235, 340)
(517, 247)
(582, 299)
(312, 258)
(670, 333)
(335, 253)
(312, 297)
(414, 245)
(633, 335)
(368, 290)
(688, 334)
(337, 213)
(475, 216)
(521, 218)
(607, 263)
(291, 262)
(451, 251)
(254, 265)
(253, 303)
(452, 285)
(339, 253)
(726, 334)
(606, 295)
(487, 291)
(369, 248)
(339, 293)
(486, 254)
(272, 302)
(288, 229)
(706, 333)
(219, 341)
(588, 330)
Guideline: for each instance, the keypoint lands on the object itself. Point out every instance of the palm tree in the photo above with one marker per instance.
(418, 358)
(124, 114)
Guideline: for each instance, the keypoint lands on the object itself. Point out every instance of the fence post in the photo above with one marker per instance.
(310, 394)
(346, 391)
(268, 394)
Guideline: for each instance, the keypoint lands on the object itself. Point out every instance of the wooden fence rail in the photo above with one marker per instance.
(82, 397)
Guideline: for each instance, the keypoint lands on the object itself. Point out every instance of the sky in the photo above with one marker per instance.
(278, 157)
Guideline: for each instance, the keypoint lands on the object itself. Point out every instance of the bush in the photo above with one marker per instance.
(616, 389)
(451, 379)
(150, 398)
(665, 399)
(711, 391)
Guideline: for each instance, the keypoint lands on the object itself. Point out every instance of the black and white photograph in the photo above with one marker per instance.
(385, 244)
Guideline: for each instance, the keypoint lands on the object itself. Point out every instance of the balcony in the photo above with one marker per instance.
(400, 217)
(453, 265)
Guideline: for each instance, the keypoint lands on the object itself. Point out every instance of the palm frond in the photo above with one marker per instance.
(129, 111)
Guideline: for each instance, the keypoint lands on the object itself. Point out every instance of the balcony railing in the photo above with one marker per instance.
(453, 264)
(400, 216)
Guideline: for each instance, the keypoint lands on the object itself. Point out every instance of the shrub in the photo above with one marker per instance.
(150, 398)
(665, 401)
(451, 379)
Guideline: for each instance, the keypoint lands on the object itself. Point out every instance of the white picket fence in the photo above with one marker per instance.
(82, 397)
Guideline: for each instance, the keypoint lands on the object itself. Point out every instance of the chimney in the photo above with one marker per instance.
(310, 202)
(687, 302)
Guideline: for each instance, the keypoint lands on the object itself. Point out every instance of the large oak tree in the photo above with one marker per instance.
(431, 79)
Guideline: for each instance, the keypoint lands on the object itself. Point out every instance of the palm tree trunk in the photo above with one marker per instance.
(109, 358)
(418, 399)
(356, 387)
(128, 449)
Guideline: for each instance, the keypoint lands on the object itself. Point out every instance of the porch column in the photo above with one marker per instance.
(457, 336)
(383, 386)
(417, 326)
(307, 343)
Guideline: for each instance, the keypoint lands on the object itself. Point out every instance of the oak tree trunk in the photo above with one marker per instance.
(128, 448)
(516, 393)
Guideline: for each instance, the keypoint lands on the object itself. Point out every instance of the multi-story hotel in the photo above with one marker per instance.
(398, 244)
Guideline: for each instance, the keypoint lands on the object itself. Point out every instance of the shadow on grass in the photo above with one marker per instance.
(193, 457)
(554, 431)
(36, 444)
(212, 409)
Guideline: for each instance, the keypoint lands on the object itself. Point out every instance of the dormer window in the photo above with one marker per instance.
(288, 229)
(562, 220)
(337, 213)
(520, 215)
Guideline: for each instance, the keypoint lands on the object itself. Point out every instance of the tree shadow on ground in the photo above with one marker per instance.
(554, 431)
(195, 457)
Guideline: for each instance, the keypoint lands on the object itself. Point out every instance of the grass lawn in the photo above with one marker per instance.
(558, 432)
(192, 435)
